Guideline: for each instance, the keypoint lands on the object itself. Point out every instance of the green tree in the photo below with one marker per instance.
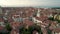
(30, 29)
(23, 31)
(35, 27)
(49, 31)
(51, 18)
(8, 27)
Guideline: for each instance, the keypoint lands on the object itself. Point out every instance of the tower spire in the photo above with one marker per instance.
(38, 13)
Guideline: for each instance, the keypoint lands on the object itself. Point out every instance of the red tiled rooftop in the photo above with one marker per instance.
(15, 24)
(54, 23)
(15, 31)
(34, 32)
(51, 28)
(26, 21)
(57, 30)
(1, 20)
(10, 19)
(1, 28)
(42, 18)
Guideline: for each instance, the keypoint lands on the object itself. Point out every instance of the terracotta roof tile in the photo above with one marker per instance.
(14, 31)
(26, 21)
(57, 30)
(15, 24)
(1, 28)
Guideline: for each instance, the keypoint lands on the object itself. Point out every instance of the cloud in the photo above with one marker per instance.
(30, 2)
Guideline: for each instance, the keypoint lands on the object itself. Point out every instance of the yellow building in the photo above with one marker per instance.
(57, 16)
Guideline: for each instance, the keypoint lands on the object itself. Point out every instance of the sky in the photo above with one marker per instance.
(20, 3)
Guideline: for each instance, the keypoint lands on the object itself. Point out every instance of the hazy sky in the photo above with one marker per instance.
(30, 3)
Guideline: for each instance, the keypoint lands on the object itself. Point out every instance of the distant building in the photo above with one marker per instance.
(57, 16)
(56, 31)
(14, 31)
(17, 18)
(2, 22)
(0, 10)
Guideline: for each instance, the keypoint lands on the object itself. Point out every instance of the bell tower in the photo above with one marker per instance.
(38, 13)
